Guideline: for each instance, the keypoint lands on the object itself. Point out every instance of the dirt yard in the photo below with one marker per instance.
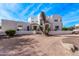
(39, 45)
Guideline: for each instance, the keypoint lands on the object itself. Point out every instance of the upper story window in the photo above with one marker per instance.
(56, 20)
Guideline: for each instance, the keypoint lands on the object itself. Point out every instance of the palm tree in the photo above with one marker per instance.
(43, 21)
(43, 16)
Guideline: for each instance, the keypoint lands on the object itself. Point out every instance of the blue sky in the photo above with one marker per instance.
(22, 11)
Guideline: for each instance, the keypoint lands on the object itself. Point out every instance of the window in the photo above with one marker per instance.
(34, 27)
(28, 28)
(56, 20)
(20, 27)
(56, 28)
(41, 23)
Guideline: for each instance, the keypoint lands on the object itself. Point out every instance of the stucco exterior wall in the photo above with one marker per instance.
(60, 32)
(8, 24)
(53, 23)
(34, 20)
(23, 24)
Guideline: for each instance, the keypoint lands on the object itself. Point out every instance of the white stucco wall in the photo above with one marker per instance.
(24, 32)
(31, 32)
(53, 23)
(60, 32)
(8, 24)
(18, 32)
(34, 19)
(24, 25)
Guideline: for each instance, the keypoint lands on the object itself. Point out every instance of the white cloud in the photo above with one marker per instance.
(4, 14)
(71, 20)
(71, 14)
(36, 9)
(26, 10)
(70, 17)
(47, 9)
(13, 7)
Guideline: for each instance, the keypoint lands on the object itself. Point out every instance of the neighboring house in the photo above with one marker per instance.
(54, 21)
(76, 27)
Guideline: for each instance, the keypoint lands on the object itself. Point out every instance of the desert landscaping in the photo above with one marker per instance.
(39, 45)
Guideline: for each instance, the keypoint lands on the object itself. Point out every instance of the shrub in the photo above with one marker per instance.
(10, 33)
(55, 29)
(64, 29)
(47, 29)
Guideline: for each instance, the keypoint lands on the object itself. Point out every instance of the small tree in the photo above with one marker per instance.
(43, 26)
(64, 28)
(10, 33)
(68, 28)
(43, 16)
(47, 29)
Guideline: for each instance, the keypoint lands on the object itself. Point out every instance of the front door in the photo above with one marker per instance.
(34, 27)
(28, 28)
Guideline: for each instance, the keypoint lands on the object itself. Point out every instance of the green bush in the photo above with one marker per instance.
(55, 29)
(64, 29)
(47, 29)
(10, 33)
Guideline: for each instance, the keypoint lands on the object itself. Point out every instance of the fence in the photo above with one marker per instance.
(24, 32)
(18, 32)
(59, 32)
(31, 32)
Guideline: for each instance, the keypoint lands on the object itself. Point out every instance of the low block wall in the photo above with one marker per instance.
(2, 33)
(18, 32)
(24, 32)
(59, 32)
(31, 32)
